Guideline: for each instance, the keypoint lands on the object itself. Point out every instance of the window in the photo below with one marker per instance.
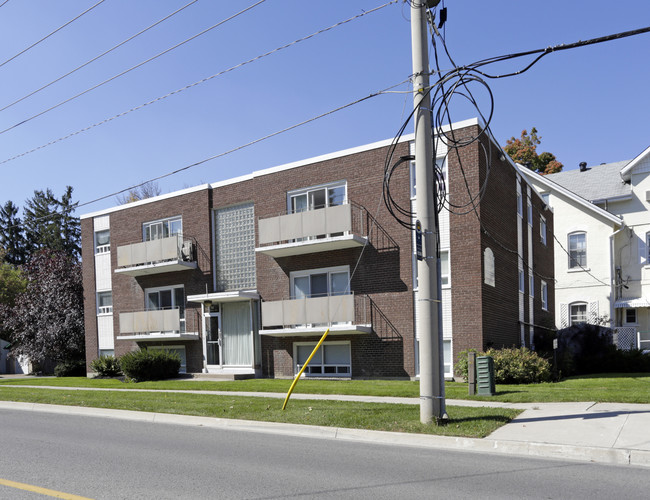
(320, 282)
(578, 312)
(520, 205)
(630, 317)
(441, 169)
(107, 352)
(104, 303)
(488, 267)
(444, 267)
(577, 250)
(530, 213)
(163, 228)
(521, 281)
(544, 296)
(235, 247)
(647, 247)
(317, 197)
(158, 299)
(103, 241)
(531, 285)
(331, 360)
(542, 229)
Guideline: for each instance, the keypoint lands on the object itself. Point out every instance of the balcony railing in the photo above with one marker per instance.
(643, 340)
(341, 313)
(320, 230)
(156, 256)
(153, 325)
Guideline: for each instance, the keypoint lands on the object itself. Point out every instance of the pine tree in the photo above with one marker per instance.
(12, 235)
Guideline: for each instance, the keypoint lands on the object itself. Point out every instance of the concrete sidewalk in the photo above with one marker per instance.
(611, 433)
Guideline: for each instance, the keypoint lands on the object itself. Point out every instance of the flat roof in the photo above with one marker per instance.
(272, 170)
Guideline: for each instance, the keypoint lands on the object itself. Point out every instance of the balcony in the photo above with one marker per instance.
(321, 230)
(163, 255)
(154, 325)
(342, 314)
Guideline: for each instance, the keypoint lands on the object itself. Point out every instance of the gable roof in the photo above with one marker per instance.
(557, 188)
(626, 173)
(598, 183)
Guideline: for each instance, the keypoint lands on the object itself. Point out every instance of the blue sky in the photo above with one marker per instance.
(589, 104)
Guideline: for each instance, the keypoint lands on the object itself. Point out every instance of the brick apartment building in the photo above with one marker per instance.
(243, 276)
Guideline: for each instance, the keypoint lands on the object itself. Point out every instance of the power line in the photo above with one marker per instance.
(3, 3)
(52, 33)
(219, 155)
(260, 139)
(130, 69)
(204, 80)
(97, 57)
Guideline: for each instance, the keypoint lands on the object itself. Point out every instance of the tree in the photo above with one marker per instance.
(12, 235)
(524, 151)
(12, 284)
(142, 192)
(49, 223)
(46, 320)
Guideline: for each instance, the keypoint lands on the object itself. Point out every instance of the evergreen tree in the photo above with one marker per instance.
(49, 223)
(12, 235)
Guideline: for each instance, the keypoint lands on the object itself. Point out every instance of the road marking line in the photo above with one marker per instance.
(42, 491)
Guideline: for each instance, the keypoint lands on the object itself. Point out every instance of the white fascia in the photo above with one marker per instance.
(626, 173)
(569, 194)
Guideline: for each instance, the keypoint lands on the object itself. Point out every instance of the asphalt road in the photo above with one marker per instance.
(113, 459)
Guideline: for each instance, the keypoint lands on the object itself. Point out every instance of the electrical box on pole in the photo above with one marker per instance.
(432, 388)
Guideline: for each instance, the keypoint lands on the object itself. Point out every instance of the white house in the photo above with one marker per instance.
(602, 240)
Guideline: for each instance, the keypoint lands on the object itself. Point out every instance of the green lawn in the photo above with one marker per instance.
(622, 388)
(463, 421)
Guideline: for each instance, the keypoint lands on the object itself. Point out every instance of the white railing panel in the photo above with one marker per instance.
(338, 219)
(341, 309)
(291, 227)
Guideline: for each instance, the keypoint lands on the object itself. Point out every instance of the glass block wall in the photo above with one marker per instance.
(235, 246)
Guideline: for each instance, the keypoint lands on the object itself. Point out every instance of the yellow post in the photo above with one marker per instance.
(295, 380)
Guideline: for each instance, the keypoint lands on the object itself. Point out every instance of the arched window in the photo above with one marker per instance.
(578, 313)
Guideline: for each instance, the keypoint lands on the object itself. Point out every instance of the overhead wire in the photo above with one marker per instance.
(230, 151)
(90, 89)
(98, 57)
(50, 34)
(199, 82)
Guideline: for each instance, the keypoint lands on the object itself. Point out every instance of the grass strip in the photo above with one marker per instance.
(463, 421)
(611, 388)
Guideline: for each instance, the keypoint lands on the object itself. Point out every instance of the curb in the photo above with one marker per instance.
(610, 456)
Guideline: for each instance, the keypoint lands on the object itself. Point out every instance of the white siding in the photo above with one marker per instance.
(105, 332)
(103, 272)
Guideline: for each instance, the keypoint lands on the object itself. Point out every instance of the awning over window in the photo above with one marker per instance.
(638, 302)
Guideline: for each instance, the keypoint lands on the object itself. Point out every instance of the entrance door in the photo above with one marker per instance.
(213, 338)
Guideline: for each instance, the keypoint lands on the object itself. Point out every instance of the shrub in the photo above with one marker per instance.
(106, 366)
(511, 365)
(76, 368)
(519, 366)
(150, 365)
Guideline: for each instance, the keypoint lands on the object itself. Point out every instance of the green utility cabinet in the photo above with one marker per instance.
(485, 375)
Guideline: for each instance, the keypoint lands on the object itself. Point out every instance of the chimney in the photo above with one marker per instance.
(583, 166)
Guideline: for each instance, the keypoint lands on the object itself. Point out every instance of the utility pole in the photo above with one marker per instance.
(432, 388)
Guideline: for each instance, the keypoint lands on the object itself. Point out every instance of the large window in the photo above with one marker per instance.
(578, 312)
(320, 282)
(167, 298)
(163, 228)
(331, 360)
(577, 250)
(103, 241)
(317, 197)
